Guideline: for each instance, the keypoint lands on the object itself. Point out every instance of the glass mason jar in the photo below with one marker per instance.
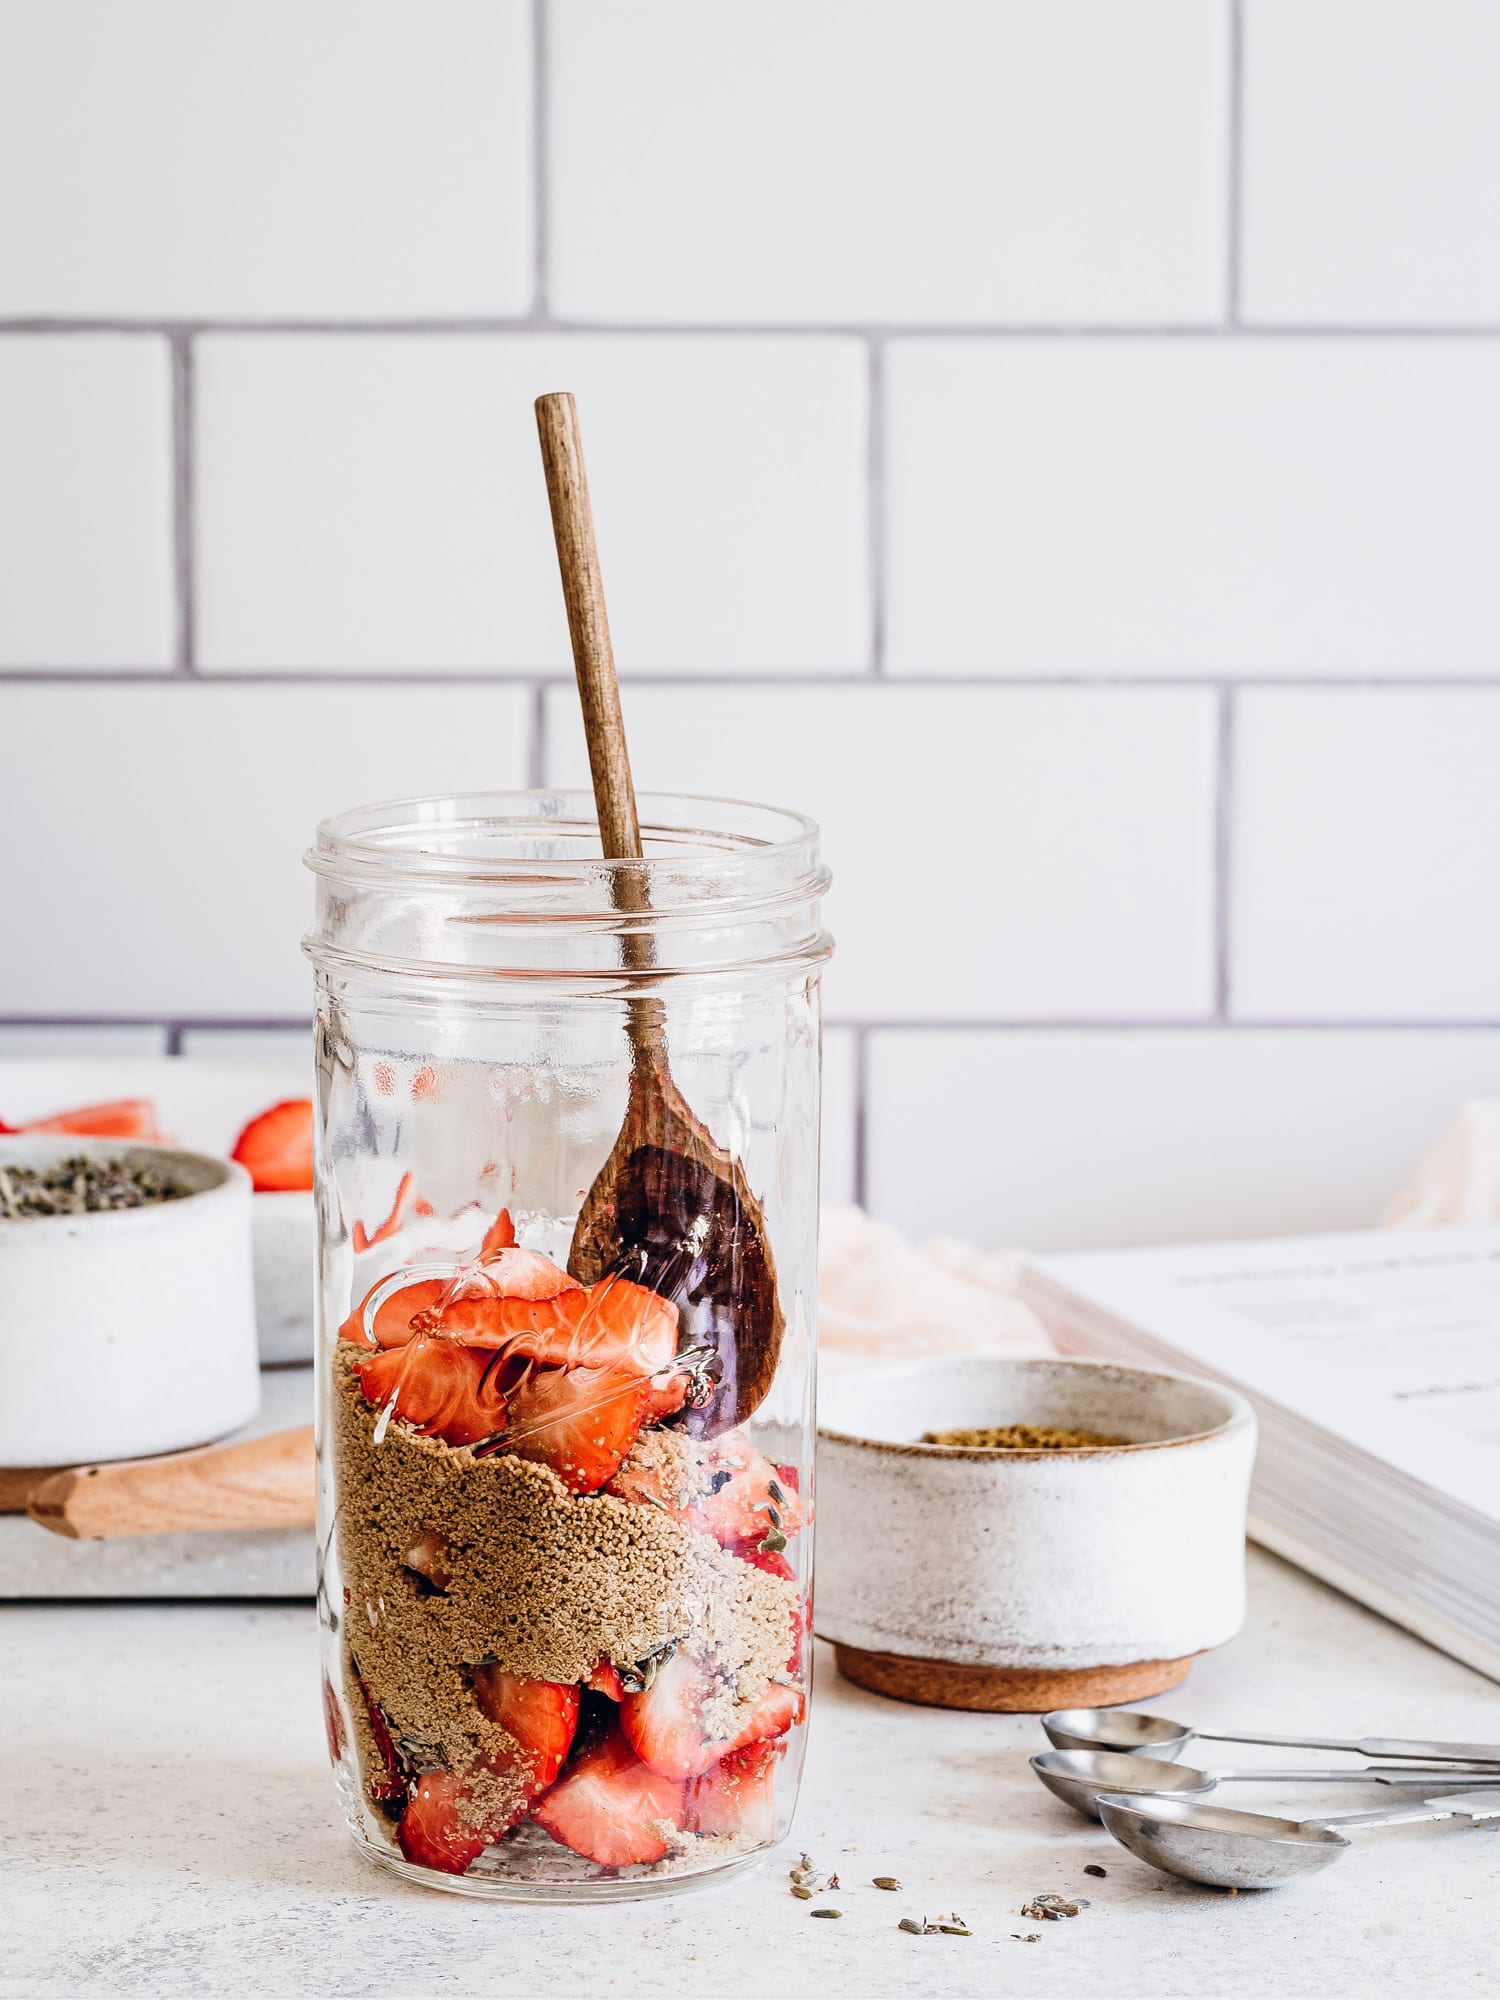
(565, 1384)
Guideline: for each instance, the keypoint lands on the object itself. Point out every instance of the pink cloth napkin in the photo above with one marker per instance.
(881, 1296)
(1459, 1181)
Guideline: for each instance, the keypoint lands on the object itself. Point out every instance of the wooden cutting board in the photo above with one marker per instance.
(276, 1562)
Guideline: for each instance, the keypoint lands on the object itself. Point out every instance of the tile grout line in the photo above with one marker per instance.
(180, 349)
(540, 182)
(1235, 178)
(875, 438)
(533, 321)
(866, 1026)
(745, 679)
(536, 765)
(859, 1168)
(1223, 848)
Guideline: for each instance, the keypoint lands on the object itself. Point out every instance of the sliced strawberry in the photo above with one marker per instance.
(277, 1148)
(610, 1807)
(430, 1831)
(428, 1558)
(770, 1560)
(745, 1500)
(669, 1391)
(562, 1325)
(605, 1679)
(394, 1316)
(501, 1235)
(126, 1118)
(363, 1238)
(665, 1724)
(333, 1722)
(389, 1783)
(447, 1391)
(493, 1299)
(738, 1796)
(580, 1421)
(542, 1716)
(666, 1728)
(773, 1715)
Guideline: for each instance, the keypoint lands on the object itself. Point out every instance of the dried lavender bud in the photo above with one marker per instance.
(81, 1186)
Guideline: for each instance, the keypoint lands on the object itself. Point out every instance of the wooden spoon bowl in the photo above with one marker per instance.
(669, 1208)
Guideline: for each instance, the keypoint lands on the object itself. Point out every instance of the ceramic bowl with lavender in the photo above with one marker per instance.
(124, 1331)
(969, 1576)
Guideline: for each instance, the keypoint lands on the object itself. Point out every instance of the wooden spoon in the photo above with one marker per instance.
(669, 1208)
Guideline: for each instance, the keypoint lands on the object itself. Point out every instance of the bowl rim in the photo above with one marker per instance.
(223, 1178)
(1241, 1415)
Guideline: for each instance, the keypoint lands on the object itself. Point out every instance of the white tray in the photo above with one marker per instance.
(274, 1563)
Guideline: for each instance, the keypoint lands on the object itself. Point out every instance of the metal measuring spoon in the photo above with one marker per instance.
(1240, 1850)
(1077, 1777)
(1131, 1731)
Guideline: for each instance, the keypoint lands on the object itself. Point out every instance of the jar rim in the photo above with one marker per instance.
(393, 840)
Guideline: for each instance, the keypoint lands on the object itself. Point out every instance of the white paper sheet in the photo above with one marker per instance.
(1389, 1342)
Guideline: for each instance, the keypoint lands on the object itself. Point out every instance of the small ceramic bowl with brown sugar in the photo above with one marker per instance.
(1079, 1545)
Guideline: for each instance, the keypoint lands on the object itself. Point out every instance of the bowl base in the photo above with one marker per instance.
(1016, 1690)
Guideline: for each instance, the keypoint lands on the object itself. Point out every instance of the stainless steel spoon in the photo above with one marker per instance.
(1131, 1731)
(1077, 1777)
(1240, 1850)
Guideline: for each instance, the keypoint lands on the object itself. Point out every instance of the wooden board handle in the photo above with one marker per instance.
(266, 1482)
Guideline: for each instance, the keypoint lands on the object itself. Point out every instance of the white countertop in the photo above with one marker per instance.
(169, 1828)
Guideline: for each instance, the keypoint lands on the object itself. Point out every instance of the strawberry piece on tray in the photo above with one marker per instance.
(542, 1716)
(610, 1807)
(126, 1118)
(276, 1149)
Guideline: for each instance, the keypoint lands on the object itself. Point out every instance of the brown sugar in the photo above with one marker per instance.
(545, 1583)
(1021, 1437)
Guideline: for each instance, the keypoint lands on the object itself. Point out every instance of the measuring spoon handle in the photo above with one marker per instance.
(1425, 1748)
(1471, 1805)
(1363, 1774)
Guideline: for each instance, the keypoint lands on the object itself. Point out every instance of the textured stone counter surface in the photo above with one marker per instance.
(169, 1828)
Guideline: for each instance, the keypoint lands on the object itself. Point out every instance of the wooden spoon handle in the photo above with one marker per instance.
(266, 1482)
(588, 625)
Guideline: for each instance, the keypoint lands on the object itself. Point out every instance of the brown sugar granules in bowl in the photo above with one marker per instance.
(1021, 1437)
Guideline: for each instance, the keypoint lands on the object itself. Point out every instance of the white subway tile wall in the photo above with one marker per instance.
(1247, 509)
(1051, 440)
(1372, 162)
(262, 160)
(866, 160)
(963, 828)
(1212, 1132)
(375, 501)
(85, 502)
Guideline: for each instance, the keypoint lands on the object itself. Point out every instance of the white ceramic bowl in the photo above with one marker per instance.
(203, 1103)
(130, 1331)
(284, 1237)
(1028, 1579)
